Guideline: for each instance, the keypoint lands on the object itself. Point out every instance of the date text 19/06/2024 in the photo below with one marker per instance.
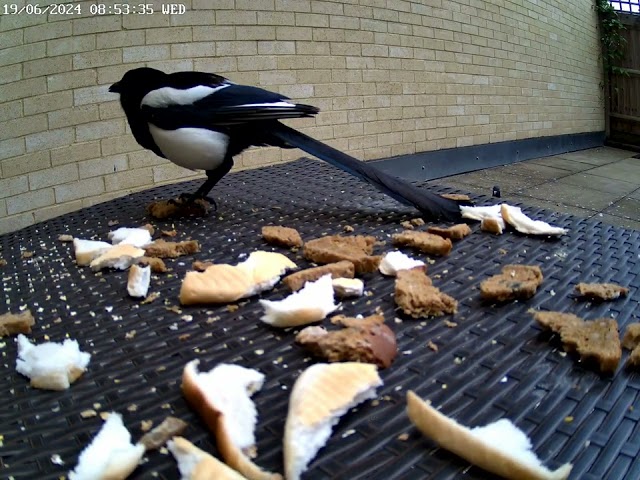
(93, 9)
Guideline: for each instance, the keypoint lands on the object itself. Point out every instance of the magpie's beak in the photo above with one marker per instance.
(115, 88)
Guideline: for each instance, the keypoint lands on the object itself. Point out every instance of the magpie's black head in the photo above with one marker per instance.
(138, 81)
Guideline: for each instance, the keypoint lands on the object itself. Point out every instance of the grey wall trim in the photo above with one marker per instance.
(452, 161)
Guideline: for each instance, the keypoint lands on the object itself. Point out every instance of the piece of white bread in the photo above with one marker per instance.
(499, 447)
(120, 257)
(50, 365)
(321, 395)
(522, 223)
(347, 287)
(110, 455)
(86, 250)
(311, 303)
(395, 261)
(481, 212)
(138, 281)
(196, 464)
(221, 397)
(222, 283)
(138, 237)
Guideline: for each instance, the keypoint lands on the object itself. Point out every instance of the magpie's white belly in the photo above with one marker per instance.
(193, 148)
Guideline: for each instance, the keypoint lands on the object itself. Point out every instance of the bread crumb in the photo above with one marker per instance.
(104, 415)
(174, 308)
(27, 254)
(184, 336)
(450, 324)
(407, 225)
(232, 308)
(145, 425)
(168, 233)
(432, 346)
(111, 223)
(403, 437)
(568, 419)
(200, 266)
(89, 413)
(150, 298)
(3, 262)
(130, 335)
(65, 238)
(348, 229)
(132, 408)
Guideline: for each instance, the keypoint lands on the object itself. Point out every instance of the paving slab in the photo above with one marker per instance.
(627, 207)
(488, 178)
(602, 184)
(549, 205)
(621, 170)
(572, 195)
(617, 221)
(598, 156)
(562, 163)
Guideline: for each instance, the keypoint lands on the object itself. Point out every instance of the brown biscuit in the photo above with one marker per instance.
(416, 296)
(296, 280)
(594, 340)
(423, 241)
(333, 248)
(601, 291)
(283, 236)
(366, 340)
(156, 264)
(457, 232)
(163, 249)
(11, 324)
(516, 282)
(177, 208)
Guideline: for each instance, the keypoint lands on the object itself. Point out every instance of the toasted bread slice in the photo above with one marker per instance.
(499, 448)
(321, 395)
(196, 464)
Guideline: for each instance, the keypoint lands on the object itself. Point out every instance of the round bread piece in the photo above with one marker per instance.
(499, 448)
(196, 464)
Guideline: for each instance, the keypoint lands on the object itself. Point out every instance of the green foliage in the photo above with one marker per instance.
(613, 42)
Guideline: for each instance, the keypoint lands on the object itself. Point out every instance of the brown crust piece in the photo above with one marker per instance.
(3, 262)
(177, 207)
(601, 291)
(631, 341)
(200, 266)
(416, 296)
(366, 340)
(594, 340)
(423, 241)
(456, 197)
(283, 236)
(456, 232)
(12, 324)
(156, 264)
(333, 248)
(296, 281)
(149, 228)
(491, 225)
(163, 249)
(516, 282)
(169, 428)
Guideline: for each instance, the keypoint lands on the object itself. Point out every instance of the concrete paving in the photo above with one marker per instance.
(601, 183)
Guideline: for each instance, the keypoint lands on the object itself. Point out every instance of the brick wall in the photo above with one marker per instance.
(392, 77)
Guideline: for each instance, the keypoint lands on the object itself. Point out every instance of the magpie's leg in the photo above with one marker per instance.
(213, 177)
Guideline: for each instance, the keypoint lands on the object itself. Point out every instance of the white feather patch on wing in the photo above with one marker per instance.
(272, 104)
(167, 96)
(193, 148)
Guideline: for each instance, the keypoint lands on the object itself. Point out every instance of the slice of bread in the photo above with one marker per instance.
(110, 455)
(310, 304)
(120, 257)
(86, 250)
(222, 398)
(196, 464)
(138, 281)
(138, 237)
(522, 223)
(321, 395)
(265, 269)
(499, 447)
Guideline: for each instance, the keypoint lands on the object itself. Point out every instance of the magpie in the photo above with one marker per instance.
(201, 120)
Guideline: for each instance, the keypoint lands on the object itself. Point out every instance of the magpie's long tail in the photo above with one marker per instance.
(430, 205)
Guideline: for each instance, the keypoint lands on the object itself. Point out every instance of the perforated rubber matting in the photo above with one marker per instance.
(495, 363)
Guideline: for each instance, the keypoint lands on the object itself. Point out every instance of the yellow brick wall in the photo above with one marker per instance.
(392, 77)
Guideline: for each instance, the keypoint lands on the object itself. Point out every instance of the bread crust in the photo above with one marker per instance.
(455, 438)
(208, 466)
(342, 269)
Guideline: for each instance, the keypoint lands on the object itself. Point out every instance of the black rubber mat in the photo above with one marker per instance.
(496, 363)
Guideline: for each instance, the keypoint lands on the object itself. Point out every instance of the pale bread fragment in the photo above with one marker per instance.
(86, 250)
(311, 303)
(395, 261)
(222, 399)
(321, 395)
(265, 269)
(492, 447)
(138, 281)
(196, 464)
(524, 224)
(110, 455)
(120, 257)
(138, 237)
(348, 287)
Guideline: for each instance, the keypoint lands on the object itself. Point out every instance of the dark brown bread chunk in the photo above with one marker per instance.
(11, 324)
(156, 264)
(163, 249)
(200, 266)
(516, 282)
(457, 232)
(177, 208)
(169, 428)
(366, 340)
(601, 291)
(594, 340)
(283, 236)
(416, 296)
(296, 281)
(333, 248)
(423, 241)
(3, 262)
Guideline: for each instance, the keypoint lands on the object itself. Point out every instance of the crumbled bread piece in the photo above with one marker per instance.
(418, 222)
(347, 287)
(156, 264)
(200, 266)
(120, 257)
(296, 281)
(357, 249)
(456, 197)
(493, 225)
(10, 323)
(283, 236)
(3, 262)
(516, 282)
(416, 296)
(169, 428)
(423, 241)
(27, 254)
(407, 225)
(149, 228)
(163, 249)
(601, 291)
(631, 341)
(348, 229)
(456, 232)
(169, 233)
(596, 340)
(65, 238)
(177, 208)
